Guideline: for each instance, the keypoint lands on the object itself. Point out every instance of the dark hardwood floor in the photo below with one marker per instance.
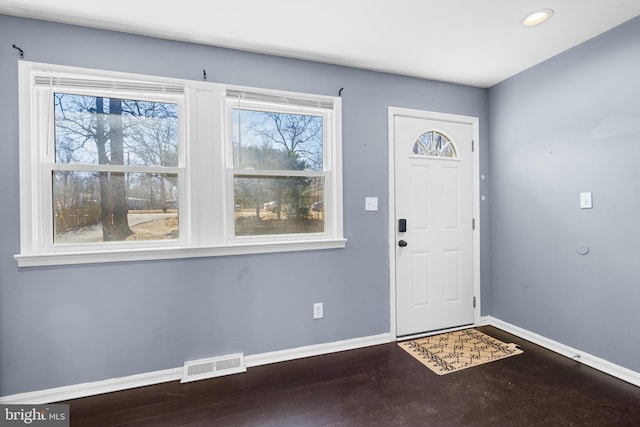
(380, 386)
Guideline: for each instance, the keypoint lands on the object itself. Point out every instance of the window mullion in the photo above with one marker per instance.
(205, 154)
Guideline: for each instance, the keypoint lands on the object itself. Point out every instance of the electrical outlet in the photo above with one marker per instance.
(318, 311)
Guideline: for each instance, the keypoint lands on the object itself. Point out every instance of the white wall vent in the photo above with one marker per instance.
(214, 367)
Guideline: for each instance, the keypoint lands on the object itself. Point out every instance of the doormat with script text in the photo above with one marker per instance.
(454, 351)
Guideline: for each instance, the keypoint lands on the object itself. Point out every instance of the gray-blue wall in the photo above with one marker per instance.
(570, 125)
(76, 324)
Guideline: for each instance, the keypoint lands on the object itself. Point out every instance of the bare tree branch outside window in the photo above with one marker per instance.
(281, 204)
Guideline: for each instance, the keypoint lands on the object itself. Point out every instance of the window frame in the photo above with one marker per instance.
(328, 160)
(436, 153)
(206, 207)
(50, 165)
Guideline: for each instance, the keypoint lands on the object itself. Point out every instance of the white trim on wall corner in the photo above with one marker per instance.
(595, 362)
(140, 380)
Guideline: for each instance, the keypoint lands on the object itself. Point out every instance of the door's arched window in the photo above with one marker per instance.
(434, 144)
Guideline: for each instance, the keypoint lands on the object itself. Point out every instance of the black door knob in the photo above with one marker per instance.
(402, 243)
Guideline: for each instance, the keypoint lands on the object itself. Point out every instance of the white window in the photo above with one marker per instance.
(436, 145)
(280, 165)
(124, 167)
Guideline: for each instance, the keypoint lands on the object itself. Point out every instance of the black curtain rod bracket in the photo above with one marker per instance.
(19, 50)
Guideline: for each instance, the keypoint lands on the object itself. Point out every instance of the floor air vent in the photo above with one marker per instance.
(213, 367)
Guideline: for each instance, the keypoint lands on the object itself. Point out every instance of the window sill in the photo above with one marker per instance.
(146, 254)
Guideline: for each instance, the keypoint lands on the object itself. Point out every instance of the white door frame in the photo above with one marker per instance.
(474, 122)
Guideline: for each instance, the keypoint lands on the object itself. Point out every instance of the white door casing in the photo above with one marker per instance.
(434, 278)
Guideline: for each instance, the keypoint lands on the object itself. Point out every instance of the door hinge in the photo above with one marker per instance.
(473, 223)
(473, 146)
(474, 302)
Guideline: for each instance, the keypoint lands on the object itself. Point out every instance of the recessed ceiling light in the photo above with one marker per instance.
(537, 17)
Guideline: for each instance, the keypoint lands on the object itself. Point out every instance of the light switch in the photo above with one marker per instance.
(585, 201)
(370, 203)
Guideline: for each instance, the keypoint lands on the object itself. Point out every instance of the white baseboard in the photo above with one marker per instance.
(93, 388)
(595, 362)
(140, 380)
(314, 350)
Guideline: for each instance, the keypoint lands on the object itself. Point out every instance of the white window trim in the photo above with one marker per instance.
(204, 184)
(329, 159)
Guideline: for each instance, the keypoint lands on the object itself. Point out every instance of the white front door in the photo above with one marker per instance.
(433, 224)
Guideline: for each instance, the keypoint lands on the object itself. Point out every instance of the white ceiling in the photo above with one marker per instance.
(471, 42)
